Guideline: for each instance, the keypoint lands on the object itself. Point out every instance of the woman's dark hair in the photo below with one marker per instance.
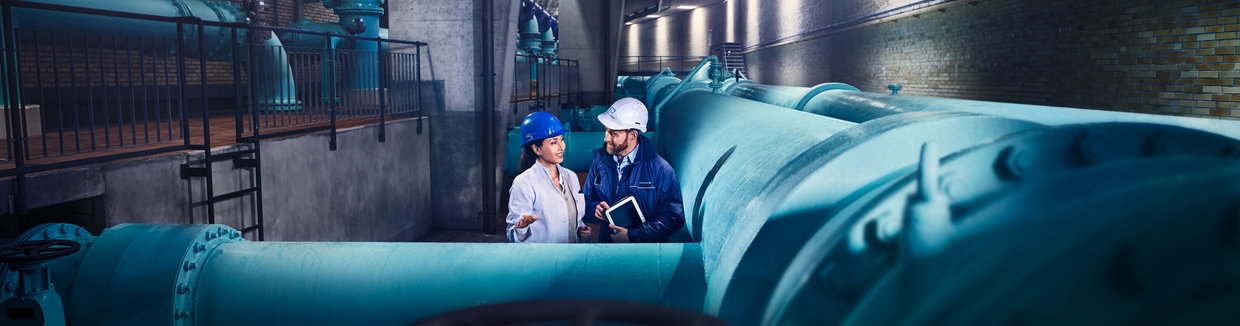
(528, 157)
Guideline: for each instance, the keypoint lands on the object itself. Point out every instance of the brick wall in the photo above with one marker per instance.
(135, 63)
(44, 65)
(316, 12)
(1153, 56)
(1171, 57)
(287, 10)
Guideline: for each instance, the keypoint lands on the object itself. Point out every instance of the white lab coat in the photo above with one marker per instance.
(534, 193)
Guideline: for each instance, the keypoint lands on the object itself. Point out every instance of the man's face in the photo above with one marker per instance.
(617, 141)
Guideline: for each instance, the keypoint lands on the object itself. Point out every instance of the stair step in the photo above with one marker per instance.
(231, 155)
(235, 194)
(242, 163)
(251, 228)
(188, 172)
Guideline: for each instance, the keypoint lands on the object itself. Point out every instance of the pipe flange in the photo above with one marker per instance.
(366, 7)
(182, 8)
(219, 51)
(191, 268)
(182, 11)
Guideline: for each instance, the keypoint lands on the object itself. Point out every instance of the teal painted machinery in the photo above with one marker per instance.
(805, 206)
(359, 58)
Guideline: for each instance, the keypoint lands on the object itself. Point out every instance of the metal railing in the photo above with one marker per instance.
(652, 65)
(90, 98)
(544, 84)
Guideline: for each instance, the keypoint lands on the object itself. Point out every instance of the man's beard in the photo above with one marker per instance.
(616, 150)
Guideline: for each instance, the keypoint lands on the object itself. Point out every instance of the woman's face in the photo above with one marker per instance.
(552, 150)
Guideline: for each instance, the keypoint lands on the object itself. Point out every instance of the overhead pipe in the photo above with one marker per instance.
(276, 89)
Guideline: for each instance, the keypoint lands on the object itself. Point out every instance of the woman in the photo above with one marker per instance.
(545, 203)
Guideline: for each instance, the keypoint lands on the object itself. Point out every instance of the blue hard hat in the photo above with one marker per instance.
(539, 125)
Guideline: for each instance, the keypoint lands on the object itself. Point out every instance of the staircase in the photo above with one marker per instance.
(730, 53)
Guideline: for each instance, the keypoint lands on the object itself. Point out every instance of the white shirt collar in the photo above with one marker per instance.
(632, 155)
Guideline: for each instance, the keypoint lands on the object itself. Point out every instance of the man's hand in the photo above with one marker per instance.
(584, 231)
(526, 220)
(598, 210)
(621, 234)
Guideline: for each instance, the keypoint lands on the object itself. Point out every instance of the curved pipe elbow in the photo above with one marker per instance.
(273, 78)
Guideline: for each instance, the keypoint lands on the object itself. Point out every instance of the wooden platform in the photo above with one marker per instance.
(57, 145)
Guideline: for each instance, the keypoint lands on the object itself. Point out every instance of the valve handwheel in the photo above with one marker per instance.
(31, 251)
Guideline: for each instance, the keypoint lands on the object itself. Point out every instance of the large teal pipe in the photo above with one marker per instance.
(143, 274)
(791, 97)
(275, 80)
(720, 178)
(397, 283)
(745, 192)
(810, 189)
(863, 106)
(631, 86)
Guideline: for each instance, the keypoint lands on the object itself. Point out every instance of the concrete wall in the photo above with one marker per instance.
(677, 33)
(454, 32)
(1169, 57)
(590, 33)
(364, 191)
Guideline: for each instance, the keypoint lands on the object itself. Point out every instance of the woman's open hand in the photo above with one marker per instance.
(526, 220)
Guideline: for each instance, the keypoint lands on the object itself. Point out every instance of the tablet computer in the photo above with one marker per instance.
(625, 213)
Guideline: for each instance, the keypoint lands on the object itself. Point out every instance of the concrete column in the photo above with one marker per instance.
(590, 32)
(453, 31)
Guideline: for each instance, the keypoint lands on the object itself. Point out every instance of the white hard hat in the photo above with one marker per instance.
(627, 113)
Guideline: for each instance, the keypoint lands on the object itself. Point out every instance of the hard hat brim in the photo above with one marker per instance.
(556, 133)
(613, 124)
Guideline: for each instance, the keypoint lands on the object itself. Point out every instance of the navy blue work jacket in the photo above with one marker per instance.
(650, 180)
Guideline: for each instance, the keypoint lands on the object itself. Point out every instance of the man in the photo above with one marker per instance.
(627, 165)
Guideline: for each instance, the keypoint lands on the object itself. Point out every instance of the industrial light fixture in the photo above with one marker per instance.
(654, 16)
(687, 7)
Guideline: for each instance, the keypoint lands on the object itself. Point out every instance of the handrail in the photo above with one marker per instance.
(138, 130)
(192, 20)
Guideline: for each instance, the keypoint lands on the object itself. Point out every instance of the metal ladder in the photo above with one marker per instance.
(241, 159)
